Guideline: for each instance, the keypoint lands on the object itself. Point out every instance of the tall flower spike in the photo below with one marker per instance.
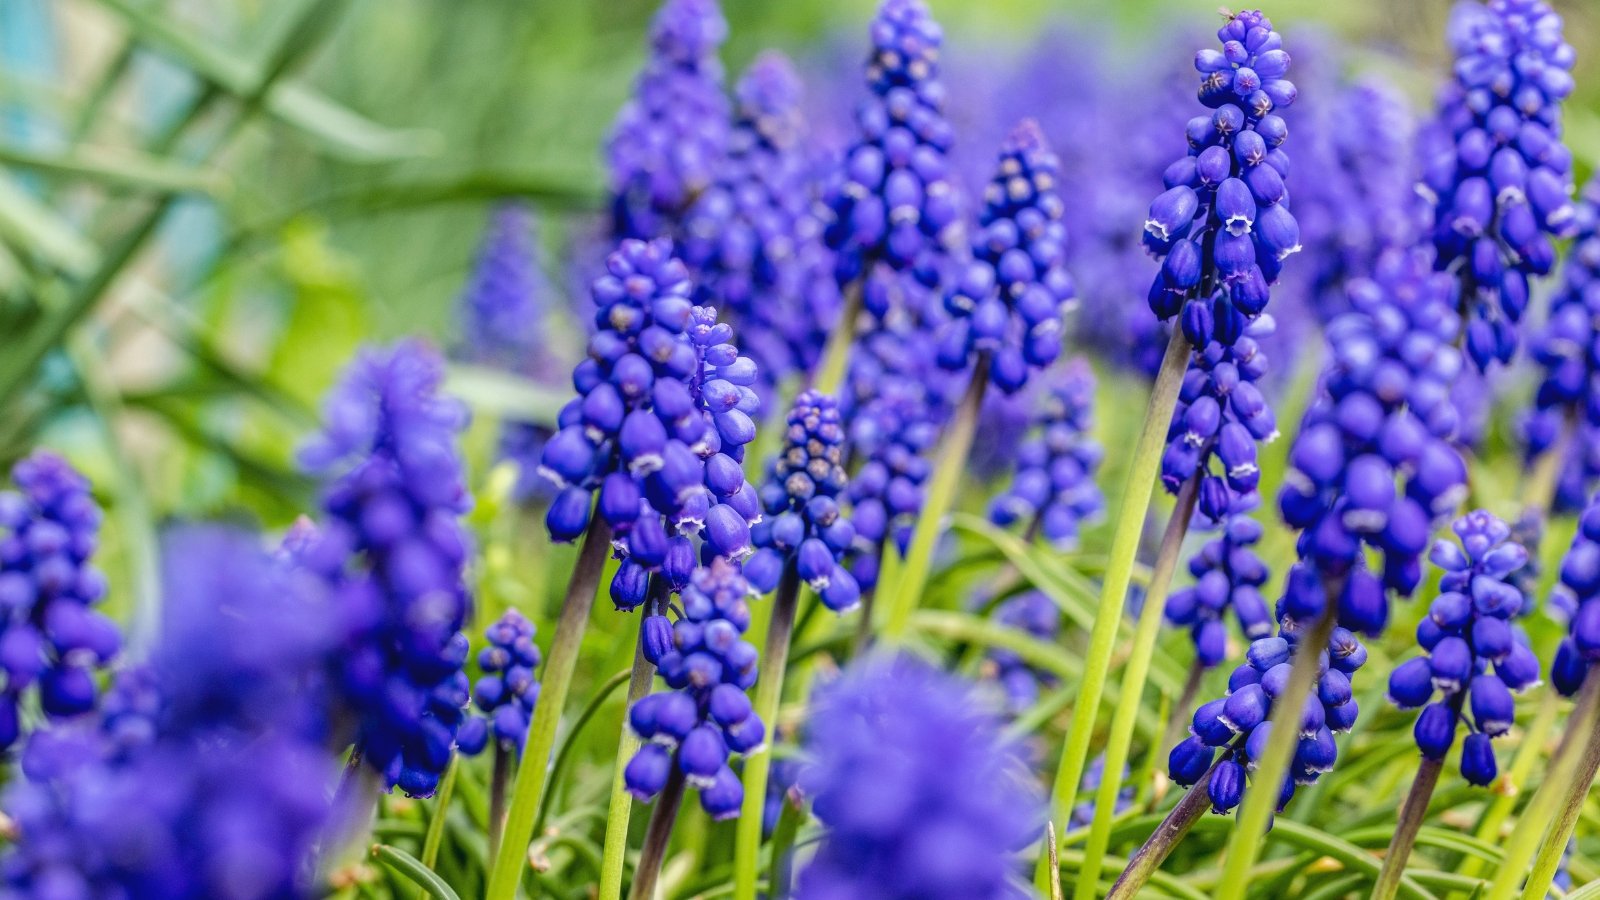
(670, 137)
(658, 429)
(507, 690)
(1227, 575)
(753, 238)
(707, 716)
(1499, 176)
(50, 634)
(802, 523)
(1476, 657)
(1223, 228)
(894, 201)
(392, 547)
(919, 792)
(1569, 352)
(1009, 298)
(1054, 489)
(1579, 592)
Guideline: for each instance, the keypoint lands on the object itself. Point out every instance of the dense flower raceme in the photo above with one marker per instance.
(670, 137)
(1499, 176)
(1220, 416)
(506, 691)
(1054, 488)
(919, 792)
(50, 634)
(1579, 594)
(1228, 574)
(1475, 657)
(1569, 352)
(1035, 614)
(1223, 228)
(753, 238)
(1383, 418)
(802, 522)
(1009, 297)
(893, 200)
(392, 546)
(663, 413)
(205, 774)
(707, 716)
(502, 314)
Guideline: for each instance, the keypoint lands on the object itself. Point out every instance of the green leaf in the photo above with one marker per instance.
(411, 868)
(1353, 857)
(506, 396)
(120, 168)
(28, 224)
(1590, 891)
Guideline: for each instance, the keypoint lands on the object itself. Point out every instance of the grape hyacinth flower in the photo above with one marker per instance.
(507, 691)
(658, 429)
(1228, 574)
(802, 523)
(392, 547)
(753, 239)
(1476, 657)
(1222, 229)
(1568, 350)
(670, 137)
(1054, 488)
(1239, 724)
(1220, 416)
(696, 727)
(51, 637)
(1579, 591)
(1009, 298)
(893, 201)
(919, 792)
(1497, 173)
(1036, 615)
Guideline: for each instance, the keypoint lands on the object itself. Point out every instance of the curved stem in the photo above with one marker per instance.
(833, 365)
(1119, 571)
(1560, 831)
(906, 592)
(564, 755)
(620, 808)
(1262, 798)
(526, 792)
(656, 837)
(757, 764)
(1172, 829)
(1406, 828)
(1126, 716)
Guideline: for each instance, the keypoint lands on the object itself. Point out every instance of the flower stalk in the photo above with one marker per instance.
(619, 809)
(656, 837)
(758, 765)
(1148, 858)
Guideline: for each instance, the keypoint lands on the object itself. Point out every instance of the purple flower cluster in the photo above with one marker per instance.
(50, 635)
(506, 691)
(392, 547)
(1054, 488)
(1476, 657)
(1223, 228)
(1007, 301)
(920, 793)
(707, 716)
(802, 522)
(1240, 722)
(1579, 592)
(753, 239)
(658, 428)
(1036, 615)
(1569, 352)
(1220, 416)
(670, 137)
(893, 200)
(1384, 418)
(1227, 575)
(1499, 176)
(205, 775)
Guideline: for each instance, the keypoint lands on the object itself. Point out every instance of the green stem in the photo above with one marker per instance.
(564, 756)
(757, 764)
(529, 787)
(783, 837)
(620, 809)
(1133, 681)
(1523, 843)
(906, 592)
(441, 806)
(1167, 835)
(1406, 828)
(1262, 797)
(1560, 830)
(656, 837)
(499, 771)
(1119, 571)
(832, 367)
